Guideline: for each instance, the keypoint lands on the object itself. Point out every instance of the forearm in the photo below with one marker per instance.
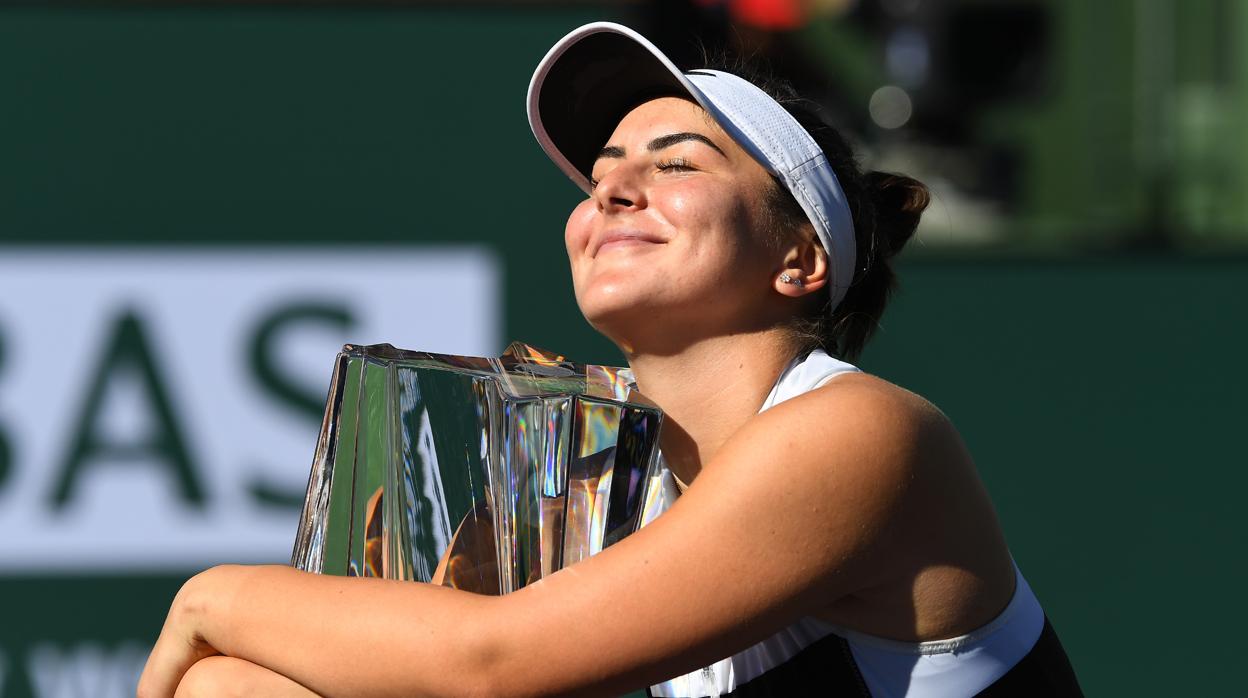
(341, 636)
(229, 676)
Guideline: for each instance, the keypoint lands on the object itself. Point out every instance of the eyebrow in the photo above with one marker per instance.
(671, 139)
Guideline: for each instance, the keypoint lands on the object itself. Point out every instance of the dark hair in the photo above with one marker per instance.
(886, 209)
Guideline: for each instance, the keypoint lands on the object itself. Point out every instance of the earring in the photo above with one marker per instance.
(785, 278)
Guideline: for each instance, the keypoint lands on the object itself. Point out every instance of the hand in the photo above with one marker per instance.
(182, 643)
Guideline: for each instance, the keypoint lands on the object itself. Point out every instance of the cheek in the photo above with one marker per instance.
(576, 233)
(715, 219)
(684, 204)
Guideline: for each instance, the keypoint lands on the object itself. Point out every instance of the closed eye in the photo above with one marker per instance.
(672, 164)
(678, 164)
(657, 144)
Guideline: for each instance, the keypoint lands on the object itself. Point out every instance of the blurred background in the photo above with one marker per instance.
(201, 201)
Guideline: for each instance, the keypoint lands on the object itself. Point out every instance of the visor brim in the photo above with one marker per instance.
(586, 83)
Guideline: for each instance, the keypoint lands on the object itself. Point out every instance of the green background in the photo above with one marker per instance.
(1103, 396)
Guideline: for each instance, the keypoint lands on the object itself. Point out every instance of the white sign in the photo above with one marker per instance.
(159, 406)
(85, 669)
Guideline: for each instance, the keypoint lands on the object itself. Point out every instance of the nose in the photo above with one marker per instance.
(620, 190)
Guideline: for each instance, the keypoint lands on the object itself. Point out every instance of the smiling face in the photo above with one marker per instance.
(671, 245)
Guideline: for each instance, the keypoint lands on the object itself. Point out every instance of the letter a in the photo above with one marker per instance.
(129, 351)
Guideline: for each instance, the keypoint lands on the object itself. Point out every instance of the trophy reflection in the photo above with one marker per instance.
(517, 465)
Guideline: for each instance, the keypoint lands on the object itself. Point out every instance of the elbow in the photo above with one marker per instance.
(482, 667)
(480, 677)
(495, 651)
(502, 666)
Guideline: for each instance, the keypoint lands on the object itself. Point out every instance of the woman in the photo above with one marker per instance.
(831, 533)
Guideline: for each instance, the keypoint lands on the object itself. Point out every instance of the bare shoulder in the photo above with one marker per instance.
(873, 398)
(887, 459)
(862, 421)
(926, 524)
(853, 461)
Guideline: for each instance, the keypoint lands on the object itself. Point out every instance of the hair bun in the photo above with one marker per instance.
(899, 204)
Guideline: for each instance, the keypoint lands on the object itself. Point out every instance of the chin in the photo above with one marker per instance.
(604, 297)
(606, 313)
(647, 325)
(616, 315)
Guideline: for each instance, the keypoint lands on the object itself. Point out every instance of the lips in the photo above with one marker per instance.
(624, 236)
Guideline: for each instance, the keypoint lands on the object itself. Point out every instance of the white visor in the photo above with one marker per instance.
(591, 78)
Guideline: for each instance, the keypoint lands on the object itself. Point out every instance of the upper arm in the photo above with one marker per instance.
(784, 520)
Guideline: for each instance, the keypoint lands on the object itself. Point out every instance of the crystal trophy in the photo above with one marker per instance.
(510, 467)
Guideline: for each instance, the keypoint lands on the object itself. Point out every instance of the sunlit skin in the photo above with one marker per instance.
(675, 226)
(671, 260)
(855, 502)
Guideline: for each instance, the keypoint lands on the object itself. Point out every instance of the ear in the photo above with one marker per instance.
(804, 261)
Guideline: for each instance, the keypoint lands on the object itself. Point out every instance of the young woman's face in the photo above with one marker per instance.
(671, 244)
